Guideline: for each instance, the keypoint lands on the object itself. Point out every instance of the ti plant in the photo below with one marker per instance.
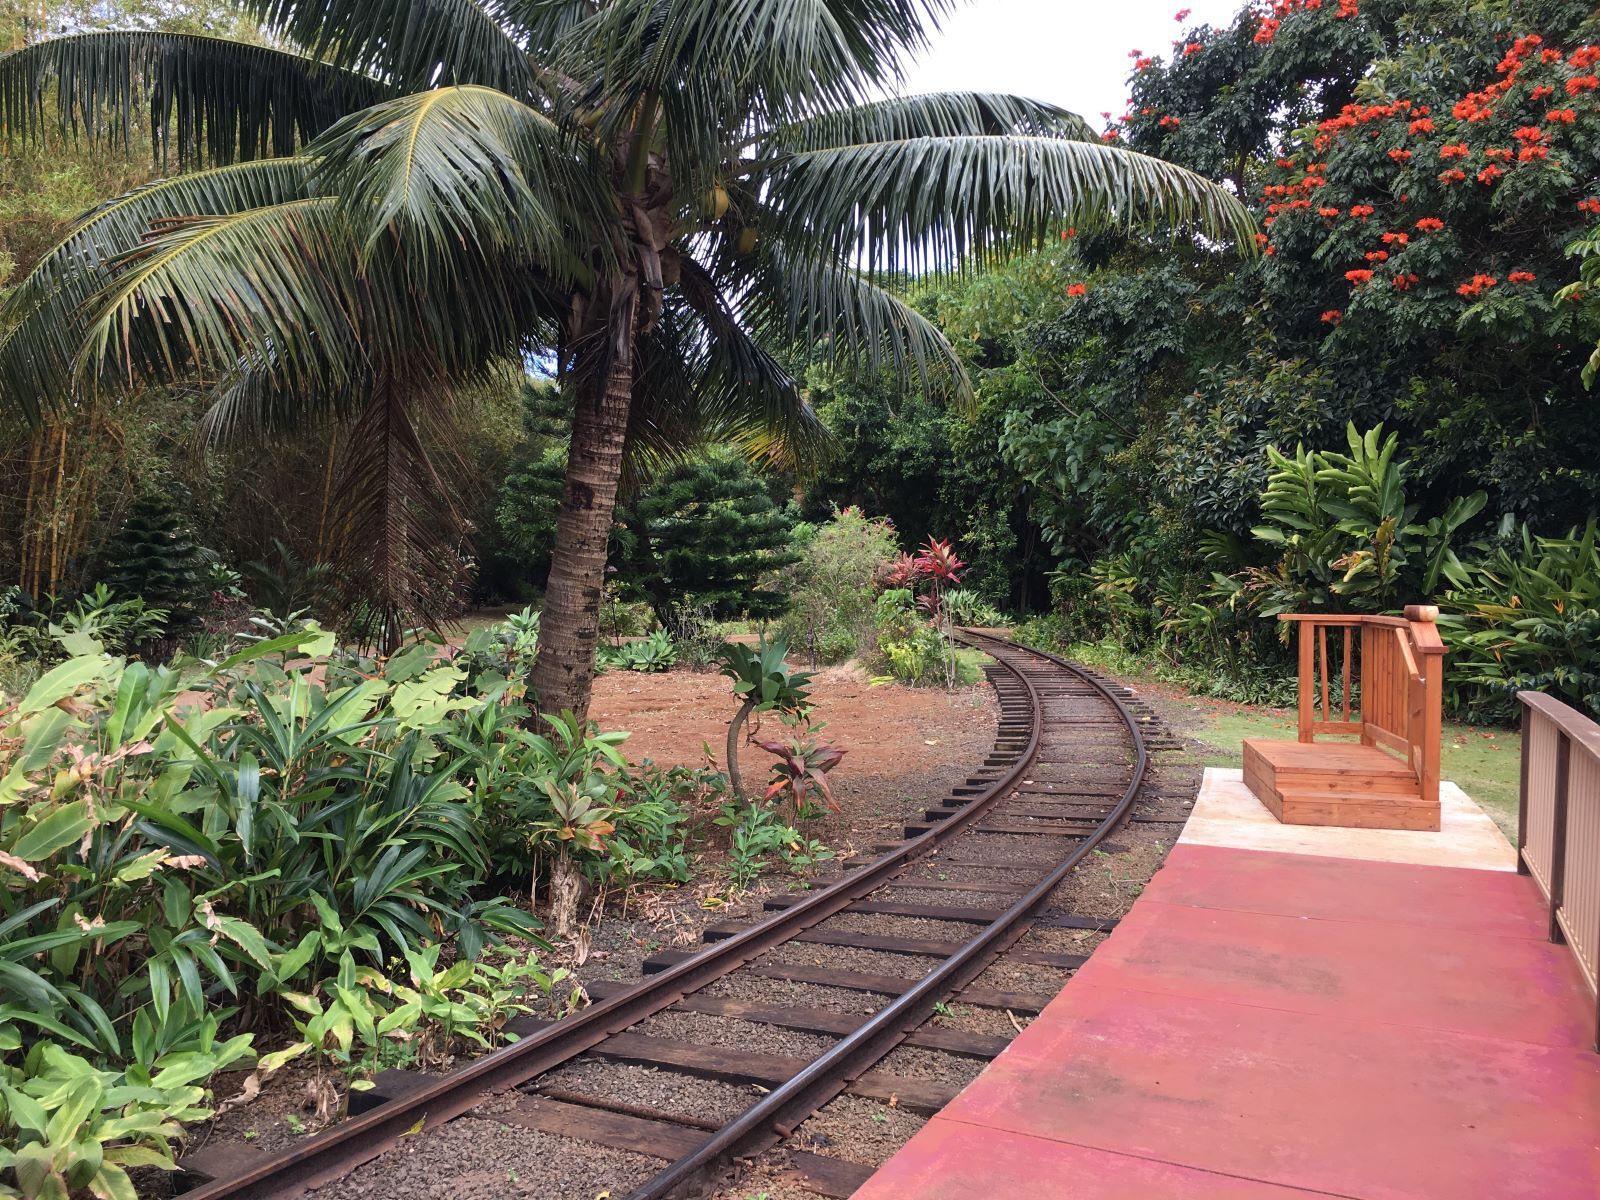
(765, 683)
(802, 768)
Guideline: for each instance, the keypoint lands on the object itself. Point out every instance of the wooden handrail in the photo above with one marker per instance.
(1398, 695)
(1558, 825)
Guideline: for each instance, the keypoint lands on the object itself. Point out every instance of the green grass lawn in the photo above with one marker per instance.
(1482, 760)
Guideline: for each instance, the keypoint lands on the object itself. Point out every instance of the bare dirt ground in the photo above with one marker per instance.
(904, 748)
(899, 742)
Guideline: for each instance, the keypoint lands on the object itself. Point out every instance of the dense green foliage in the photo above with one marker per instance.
(1184, 429)
(154, 556)
(704, 541)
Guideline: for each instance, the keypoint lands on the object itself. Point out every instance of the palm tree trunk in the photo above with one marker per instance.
(569, 628)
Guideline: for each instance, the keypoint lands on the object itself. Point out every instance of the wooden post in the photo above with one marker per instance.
(1522, 793)
(1307, 670)
(1345, 672)
(1558, 835)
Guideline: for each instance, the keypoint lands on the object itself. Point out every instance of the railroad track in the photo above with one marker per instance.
(853, 972)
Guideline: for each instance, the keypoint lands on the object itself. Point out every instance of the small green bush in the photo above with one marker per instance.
(832, 588)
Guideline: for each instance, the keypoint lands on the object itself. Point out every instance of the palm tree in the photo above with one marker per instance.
(662, 195)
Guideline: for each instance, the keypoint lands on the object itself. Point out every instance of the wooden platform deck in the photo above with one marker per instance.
(1346, 1020)
(1337, 783)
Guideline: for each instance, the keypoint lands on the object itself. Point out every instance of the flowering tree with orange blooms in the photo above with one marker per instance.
(1425, 174)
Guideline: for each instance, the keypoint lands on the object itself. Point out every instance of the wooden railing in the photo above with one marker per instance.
(1558, 825)
(1390, 687)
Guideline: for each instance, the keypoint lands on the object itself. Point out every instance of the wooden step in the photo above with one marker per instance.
(1356, 810)
(1336, 784)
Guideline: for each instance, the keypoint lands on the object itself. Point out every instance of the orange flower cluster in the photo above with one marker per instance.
(1396, 239)
(1503, 153)
(1591, 205)
(1361, 211)
(1399, 155)
(1489, 174)
(1582, 83)
(1421, 125)
(1077, 289)
(1377, 256)
(1561, 116)
(1454, 175)
(1267, 30)
(1454, 150)
(1521, 277)
(1192, 48)
(1403, 283)
(1332, 317)
(1430, 224)
(1533, 153)
(1169, 122)
(1357, 278)
(1327, 212)
(1479, 105)
(1478, 285)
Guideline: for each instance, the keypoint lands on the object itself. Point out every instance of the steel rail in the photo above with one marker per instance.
(337, 1151)
(779, 1112)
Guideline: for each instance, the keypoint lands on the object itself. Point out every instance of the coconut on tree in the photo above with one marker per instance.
(661, 196)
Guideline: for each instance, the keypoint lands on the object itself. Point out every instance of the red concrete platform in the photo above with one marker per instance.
(1266, 1024)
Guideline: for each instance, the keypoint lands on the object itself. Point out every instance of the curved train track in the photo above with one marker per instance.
(1069, 761)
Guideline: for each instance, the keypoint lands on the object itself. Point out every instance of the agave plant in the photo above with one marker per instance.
(658, 194)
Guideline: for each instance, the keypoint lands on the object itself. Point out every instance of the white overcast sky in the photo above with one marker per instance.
(1068, 52)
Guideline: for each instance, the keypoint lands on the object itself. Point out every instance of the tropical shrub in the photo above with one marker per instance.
(545, 803)
(908, 646)
(1527, 616)
(68, 1127)
(1346, 534)
(801, 769)
(833, 585)
(203, 840)
(966, 607)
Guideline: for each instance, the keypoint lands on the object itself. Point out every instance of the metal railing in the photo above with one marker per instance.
(1558, 825)
(1398, 677)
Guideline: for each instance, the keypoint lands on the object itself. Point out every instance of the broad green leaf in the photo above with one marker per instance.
(60, 828)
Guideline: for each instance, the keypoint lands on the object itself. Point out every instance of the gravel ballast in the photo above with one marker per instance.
(684, 1095)
(474, 1158)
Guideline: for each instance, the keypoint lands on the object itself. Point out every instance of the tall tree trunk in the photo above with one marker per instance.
(563, 672)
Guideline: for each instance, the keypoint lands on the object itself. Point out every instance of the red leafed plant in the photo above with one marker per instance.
(802, 767)
(902, 572)
(937, 560)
